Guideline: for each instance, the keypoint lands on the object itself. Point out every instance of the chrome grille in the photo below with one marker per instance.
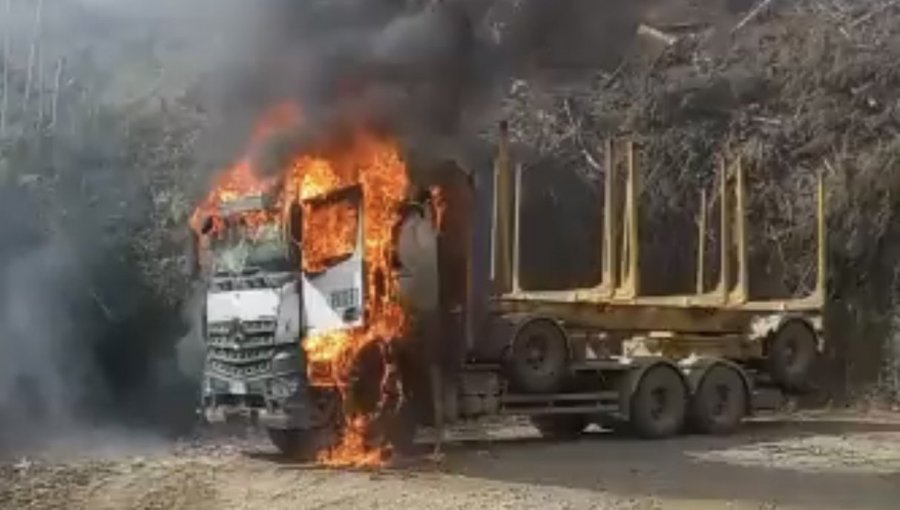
(241, 356)
(241, 371)
(244, 349)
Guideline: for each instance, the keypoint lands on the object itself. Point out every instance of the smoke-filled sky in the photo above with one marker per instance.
(429, 72)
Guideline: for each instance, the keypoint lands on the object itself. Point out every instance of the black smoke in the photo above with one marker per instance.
(430, 73)
(78, 333)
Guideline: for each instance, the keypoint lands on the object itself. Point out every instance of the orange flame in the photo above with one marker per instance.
(341, 220)
(240, 179)
(375, 164)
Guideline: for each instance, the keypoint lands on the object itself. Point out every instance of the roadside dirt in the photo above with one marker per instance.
(818, 462)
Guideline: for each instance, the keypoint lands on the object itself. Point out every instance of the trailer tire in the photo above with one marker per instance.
(560, 426)
(658, 406)
(791, 356)
(539, 357)
(720, 402)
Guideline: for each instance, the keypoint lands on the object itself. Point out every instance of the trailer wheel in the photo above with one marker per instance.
(539, 357)
(560, 426)
(720, 402)
(659, 404)
(792, 353)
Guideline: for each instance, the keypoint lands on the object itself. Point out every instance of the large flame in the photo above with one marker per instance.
(374, 163)
(240, 180)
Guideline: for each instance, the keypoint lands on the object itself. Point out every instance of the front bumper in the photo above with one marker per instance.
(215, 414)
(274, 415)
(279, 402)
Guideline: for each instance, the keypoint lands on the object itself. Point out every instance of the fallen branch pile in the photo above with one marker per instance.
(794, 88)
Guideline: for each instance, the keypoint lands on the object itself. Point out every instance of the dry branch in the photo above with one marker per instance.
(7, 41)
(32, 54)
(756, 11)
(659, 35)
(54, 106)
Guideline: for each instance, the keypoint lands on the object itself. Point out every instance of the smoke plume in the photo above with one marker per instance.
(430, 73)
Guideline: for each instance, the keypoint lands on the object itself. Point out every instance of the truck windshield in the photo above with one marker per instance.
(241, 248)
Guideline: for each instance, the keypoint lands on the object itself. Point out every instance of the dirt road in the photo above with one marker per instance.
(826, 462)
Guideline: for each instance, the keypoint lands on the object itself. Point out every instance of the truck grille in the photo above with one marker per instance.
(244, 349)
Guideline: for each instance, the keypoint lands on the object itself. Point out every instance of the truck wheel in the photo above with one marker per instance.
(792, 353)
(365, 377)
(720, 402)
(659, 404)
(539, 357)
(290, 442)
(325, 423)
(560, 426)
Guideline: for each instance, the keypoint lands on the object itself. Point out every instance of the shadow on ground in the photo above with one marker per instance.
(675, 468)
(672, 469)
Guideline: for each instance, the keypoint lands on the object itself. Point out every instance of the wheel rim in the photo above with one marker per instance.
(538, 357)
(536, 352)
(660, 403)
(721, 398)
(661, 399)
(790, 352)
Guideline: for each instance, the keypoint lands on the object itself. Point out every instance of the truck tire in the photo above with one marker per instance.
(560, 426)
(720, 401)
(291, 443)
(539, 358)
(364, 379)
(658, 406)
(791, 356)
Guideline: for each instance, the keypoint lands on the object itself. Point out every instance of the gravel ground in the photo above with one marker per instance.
(817, 462)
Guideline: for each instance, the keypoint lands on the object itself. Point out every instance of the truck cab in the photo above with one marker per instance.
(261, 301)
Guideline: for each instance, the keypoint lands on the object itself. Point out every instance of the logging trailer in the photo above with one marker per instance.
(606, 354)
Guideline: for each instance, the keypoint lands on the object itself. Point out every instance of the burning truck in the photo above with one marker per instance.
(345, 312)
